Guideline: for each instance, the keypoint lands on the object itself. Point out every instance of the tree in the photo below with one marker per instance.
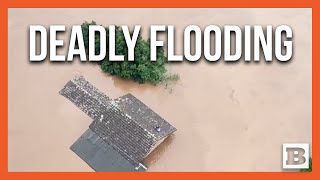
(141, 69)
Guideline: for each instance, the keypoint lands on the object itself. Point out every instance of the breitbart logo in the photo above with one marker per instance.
(295, 156)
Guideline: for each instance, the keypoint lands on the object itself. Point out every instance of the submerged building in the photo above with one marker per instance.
(123, 131)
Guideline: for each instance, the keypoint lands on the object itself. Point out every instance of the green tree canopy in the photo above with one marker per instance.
(141, 69)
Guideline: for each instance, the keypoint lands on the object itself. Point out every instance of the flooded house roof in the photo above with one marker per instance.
(124, 126)
(85, 96)
(101, 156)
(144, 116)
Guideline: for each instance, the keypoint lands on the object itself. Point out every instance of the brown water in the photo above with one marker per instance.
(230, 117)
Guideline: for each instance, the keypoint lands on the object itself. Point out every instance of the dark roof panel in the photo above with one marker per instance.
(144, 116)
(101, 156)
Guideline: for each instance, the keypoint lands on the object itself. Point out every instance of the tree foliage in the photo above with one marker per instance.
(141, 69)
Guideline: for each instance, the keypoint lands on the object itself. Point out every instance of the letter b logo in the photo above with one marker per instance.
(295, 156)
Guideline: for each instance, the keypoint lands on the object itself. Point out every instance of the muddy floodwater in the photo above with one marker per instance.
(229, 116)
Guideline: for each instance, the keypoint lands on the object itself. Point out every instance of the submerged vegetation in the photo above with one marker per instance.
(141, 69)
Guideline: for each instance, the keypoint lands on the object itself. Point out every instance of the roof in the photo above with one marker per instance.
(144, 116)
(85, 96)
(131, 140)
(126, 124)
(101, 156)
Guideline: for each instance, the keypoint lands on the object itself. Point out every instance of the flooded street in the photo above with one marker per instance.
(229, 116)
